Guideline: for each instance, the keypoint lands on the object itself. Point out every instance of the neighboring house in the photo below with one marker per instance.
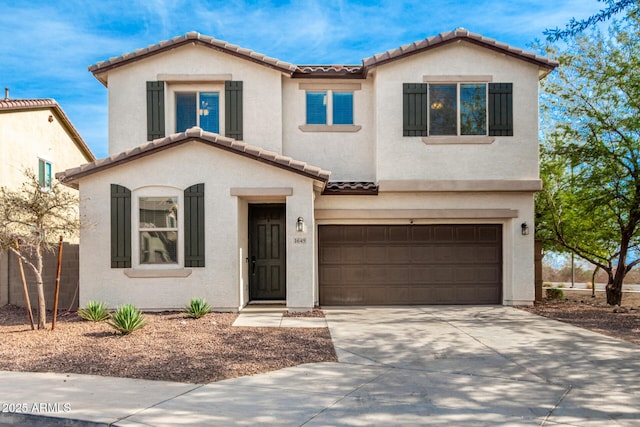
(209, 190)
(35, 134)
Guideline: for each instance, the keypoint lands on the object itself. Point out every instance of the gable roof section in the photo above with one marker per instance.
(71, 176)
(324, 71)
(459, 34)
(190, 38)
(18, 105)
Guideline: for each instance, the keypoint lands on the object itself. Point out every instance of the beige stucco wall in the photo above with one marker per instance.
(262, 95)
(223, 282)
(401, 157)
(349, 155)
(26, 136)
(518, 269)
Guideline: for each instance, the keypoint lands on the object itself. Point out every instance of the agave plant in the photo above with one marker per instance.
(95, 311)
(197, 308)
(126, 319)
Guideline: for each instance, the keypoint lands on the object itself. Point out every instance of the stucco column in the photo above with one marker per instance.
(300, 252)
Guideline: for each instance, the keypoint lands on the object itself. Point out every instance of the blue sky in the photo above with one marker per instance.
(46, 46)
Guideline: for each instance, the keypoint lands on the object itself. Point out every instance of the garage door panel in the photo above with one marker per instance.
(355, 234)
(466, 234)
(376, 254)
(489, 234)
(489, 254)
(422, 254)
(399, 234)
(443, 233)
(419, 264)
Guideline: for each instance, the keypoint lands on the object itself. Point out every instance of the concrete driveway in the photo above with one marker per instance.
(456, 366)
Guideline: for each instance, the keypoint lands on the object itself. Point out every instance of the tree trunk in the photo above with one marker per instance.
(614, 289)
(42, 306)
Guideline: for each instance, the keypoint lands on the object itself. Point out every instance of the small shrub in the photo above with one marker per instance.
(546, 285)
(555, 293)
(197, 308)
(560, 285)
(589, 285)
(126, 319)
(95, 311)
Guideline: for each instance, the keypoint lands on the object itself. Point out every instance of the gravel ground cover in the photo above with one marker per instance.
(172, 347)
(580, 309)
(169, 347)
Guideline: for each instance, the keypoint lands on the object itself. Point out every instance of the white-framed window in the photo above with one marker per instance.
(200, 109)
(458, 109)
(44, 174)
(157, 228)
(329, 107)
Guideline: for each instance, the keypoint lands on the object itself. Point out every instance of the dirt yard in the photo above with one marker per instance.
(580, 309)
(169, 347)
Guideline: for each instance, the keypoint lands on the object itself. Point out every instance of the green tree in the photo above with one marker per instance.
(576, 26)
(31, 221)
(590, 156)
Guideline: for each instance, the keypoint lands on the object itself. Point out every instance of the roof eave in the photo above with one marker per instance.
(101, 69)
(548, 65)
(71, 177)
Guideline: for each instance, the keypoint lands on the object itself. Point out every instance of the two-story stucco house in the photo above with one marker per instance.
(407, 179)
(36, 135)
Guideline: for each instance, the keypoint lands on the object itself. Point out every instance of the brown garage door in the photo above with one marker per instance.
(410, 264)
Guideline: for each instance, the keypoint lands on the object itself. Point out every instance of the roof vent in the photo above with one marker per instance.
(6, 93)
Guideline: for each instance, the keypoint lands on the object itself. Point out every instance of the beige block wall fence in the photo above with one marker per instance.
(11, 281)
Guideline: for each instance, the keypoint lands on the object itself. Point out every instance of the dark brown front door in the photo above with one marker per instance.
(267, 256)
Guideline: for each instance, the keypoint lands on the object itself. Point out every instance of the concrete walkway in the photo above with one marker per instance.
(457, 366)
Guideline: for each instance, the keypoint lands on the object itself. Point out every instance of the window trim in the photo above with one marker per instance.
(155, 191)
(458, 139)
(330, 89)
(172, 89)
(42, 180)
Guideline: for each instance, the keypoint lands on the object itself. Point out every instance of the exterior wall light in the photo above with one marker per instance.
(524, 229)
(300, 224)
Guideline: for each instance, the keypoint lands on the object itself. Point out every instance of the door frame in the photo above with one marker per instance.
(252, 207)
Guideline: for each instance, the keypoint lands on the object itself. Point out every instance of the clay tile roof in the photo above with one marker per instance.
(71, 176)
(452, 36)
(351, 188)
(15, 105)
(329, 71)
(196, 38)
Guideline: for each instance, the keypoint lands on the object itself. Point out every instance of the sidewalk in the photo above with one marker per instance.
(269, 316)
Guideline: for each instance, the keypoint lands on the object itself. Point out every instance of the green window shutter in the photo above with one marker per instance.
(414, 109)
(233, 109)
(500, 109)
(41, 173)
(120, 227)
(194, 226)
(155, 110)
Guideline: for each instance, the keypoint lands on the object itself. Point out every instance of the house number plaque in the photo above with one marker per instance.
(299, 240)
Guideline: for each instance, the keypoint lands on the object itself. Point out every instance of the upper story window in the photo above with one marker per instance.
(177, 102)
(471, 110)
(457, 109)
(200, 109)
(329, 108)
(44, 174)
(158, 228)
